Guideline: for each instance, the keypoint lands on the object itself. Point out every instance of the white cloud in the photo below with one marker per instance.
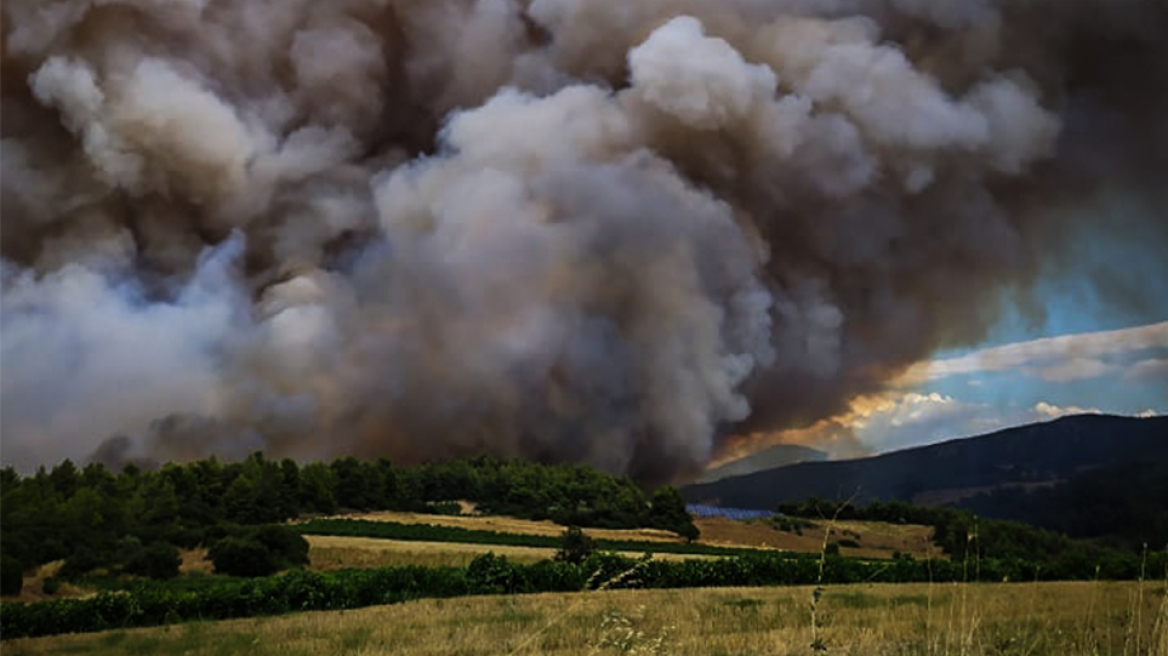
(1054, 359)
(1045, 410)
(898, 421)
(1151, 369)
(892, 421)
(1073, 369)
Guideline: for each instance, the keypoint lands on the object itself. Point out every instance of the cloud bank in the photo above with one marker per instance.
(1131, 351)
(586, 231)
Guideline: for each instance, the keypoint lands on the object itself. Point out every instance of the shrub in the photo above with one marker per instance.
(491, 574)
(50, 585)
(287, 545)
(160, 560)
(243, 557)
(444, 508)
(575, 546)
(11, 575)
(82, 561)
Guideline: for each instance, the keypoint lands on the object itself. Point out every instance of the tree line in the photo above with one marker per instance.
(1123, 504)
(152, 603)
(965, 536)
(92, 516)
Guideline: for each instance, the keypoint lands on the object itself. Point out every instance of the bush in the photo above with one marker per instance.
(491, 574)
(452, 508)
(160, 560)
(11, 575)
(82, 561)
(287, 545)
(243, 557)
(575, 546)
(50, 585)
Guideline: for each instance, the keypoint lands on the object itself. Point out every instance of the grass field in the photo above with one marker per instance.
(1048, 619)
(329, 552)
(875, 539)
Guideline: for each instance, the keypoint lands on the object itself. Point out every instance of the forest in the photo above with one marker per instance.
(92, 517)
(121, 532)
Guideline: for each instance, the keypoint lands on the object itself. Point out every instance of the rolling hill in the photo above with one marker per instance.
(779, 455)
(1027, 457)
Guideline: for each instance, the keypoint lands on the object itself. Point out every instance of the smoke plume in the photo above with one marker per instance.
(593, 231)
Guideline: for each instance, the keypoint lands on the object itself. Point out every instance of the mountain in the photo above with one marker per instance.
(1027, 457)
(778, 455)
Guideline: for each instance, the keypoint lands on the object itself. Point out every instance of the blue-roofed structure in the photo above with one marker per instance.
(729, 513)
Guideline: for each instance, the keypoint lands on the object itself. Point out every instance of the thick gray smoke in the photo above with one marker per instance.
(598, 231)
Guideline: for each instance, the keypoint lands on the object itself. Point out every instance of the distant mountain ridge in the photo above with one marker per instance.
(1024, 456)
(778, 455)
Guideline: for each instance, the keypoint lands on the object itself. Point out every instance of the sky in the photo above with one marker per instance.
(1090, 334)
(1085, 351)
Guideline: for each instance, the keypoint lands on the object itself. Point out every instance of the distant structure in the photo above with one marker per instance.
(729, 513)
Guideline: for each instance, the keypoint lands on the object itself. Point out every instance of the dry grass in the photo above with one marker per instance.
(34, 581)
(1049, 619)
(329, 552)
(512, 525)
(876, 539)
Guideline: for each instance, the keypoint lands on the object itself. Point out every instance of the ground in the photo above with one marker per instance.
(1046, 619)
(876, 540)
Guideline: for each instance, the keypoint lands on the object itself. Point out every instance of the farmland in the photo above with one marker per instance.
(884, 579)
(874, 539)
(1055, 619)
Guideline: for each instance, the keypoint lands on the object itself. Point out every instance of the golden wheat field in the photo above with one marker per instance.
(875, 539)
(1045, 619)
(328, 552)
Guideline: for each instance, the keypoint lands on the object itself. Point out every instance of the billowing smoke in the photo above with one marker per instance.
(596, 231)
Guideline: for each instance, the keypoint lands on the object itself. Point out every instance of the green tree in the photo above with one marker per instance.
(160, 560)
(11, 575)
(318, 489)
(243, 557)
(575, 546)
(667, 511)
(240, 501)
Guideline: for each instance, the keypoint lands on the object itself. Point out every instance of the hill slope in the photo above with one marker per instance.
(779, 455)
(1035, 455)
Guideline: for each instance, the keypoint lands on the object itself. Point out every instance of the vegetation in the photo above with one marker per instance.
(259, 551)
(151, 603)
(92, 518)
(11, 575)
(1124, 504)
(1049, 619)
(431, 533)
(967, 537)
(575, 546)
(160, 560)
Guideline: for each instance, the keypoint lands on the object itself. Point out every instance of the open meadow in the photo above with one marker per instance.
(1044, 619)
(872, 539)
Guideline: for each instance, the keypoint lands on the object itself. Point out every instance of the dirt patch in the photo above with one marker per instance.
(34, 581)
(195, 560)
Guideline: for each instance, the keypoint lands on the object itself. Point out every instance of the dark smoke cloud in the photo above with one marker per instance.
(573, 230)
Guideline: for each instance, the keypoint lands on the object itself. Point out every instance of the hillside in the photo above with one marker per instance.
(779, 455)
(1031, 456)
